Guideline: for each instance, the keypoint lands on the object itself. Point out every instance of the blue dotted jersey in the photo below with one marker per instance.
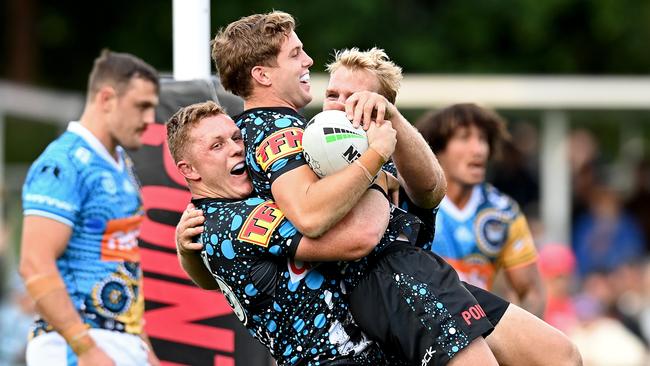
(273, 140)
(297, 310)
(76, 182)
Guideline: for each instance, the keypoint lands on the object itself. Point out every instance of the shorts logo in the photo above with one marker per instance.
(475, 312)
(280, 144)
(120, 240)
(428, 356)
(261, 224)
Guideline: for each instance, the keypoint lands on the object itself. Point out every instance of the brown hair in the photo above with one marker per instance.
(374, 60)
(438, 127)
(248, 42)
(117, 69)
(179, 125)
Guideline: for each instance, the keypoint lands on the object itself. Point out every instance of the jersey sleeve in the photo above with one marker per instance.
(52, 190)
(519, 249)
(249, 228)
(274, 145)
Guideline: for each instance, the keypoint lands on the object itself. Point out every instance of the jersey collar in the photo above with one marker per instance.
(470, 208)
(81, 131)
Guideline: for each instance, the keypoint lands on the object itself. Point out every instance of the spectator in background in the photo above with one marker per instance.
(557, 265)
(606, 237)
(638, 203)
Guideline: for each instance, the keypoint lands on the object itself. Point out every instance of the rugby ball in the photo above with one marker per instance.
(330, 143)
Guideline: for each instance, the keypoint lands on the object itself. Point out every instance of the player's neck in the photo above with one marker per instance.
(94, 123)
(459, 194)
(264, 100)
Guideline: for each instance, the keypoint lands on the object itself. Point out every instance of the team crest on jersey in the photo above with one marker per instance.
(261, 224)
(491, 227)
(280, 144)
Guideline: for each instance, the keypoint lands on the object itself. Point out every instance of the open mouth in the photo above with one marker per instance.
(238, 169)
(305, 78)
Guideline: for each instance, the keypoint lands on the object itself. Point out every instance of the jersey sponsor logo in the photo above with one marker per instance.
(279, 145)
(474, 312)
(491, 228)
(120, 240)
(261, 224)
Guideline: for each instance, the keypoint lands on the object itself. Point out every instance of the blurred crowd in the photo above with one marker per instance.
(598, 285)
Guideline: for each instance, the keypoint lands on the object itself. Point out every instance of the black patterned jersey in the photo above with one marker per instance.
(273, 140)
(297, 310)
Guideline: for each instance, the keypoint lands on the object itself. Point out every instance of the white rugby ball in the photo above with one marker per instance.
(330, 143)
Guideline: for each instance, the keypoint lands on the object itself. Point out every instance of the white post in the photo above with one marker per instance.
(3, 184)
(191, 26)
(555, 177)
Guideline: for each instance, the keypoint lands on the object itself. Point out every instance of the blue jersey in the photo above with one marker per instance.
(297, 310)
(77, 182)
(489, 233)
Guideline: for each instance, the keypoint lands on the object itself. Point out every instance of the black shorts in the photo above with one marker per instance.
(493, 305)
(413, 303)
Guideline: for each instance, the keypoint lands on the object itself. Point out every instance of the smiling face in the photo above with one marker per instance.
(345, 82)
(290, 76)
(465, 156)
(214, 162)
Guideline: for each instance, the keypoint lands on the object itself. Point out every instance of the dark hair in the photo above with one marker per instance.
(437, 127)
(117, 70)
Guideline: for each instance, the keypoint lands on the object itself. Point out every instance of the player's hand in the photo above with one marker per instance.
(382, 138)
(363, 107)
(189, 226)
(95, 357)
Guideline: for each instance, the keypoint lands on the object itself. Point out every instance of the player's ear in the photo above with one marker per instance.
(105, 98)
(261, 75)
(187, 170)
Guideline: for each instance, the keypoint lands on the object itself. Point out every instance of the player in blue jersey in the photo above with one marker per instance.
(480, 230)
(82, 213)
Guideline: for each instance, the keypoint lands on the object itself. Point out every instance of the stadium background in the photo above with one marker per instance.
(47, 49)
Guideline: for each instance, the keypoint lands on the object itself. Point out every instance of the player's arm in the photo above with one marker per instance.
(314, 205)
(351, 238)
(420, 173)
(43, 241)
(527, 284)
(519, 258)
(354, 236)
(189, 253)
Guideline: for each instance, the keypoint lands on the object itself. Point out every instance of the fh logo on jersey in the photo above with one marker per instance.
(280, 144)
(261, 224)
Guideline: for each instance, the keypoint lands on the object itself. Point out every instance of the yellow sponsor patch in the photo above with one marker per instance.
(261, 224)
(282, 143)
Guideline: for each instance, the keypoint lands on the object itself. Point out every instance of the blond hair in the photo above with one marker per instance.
(180, 124)
(374, 60)
(248, 42)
